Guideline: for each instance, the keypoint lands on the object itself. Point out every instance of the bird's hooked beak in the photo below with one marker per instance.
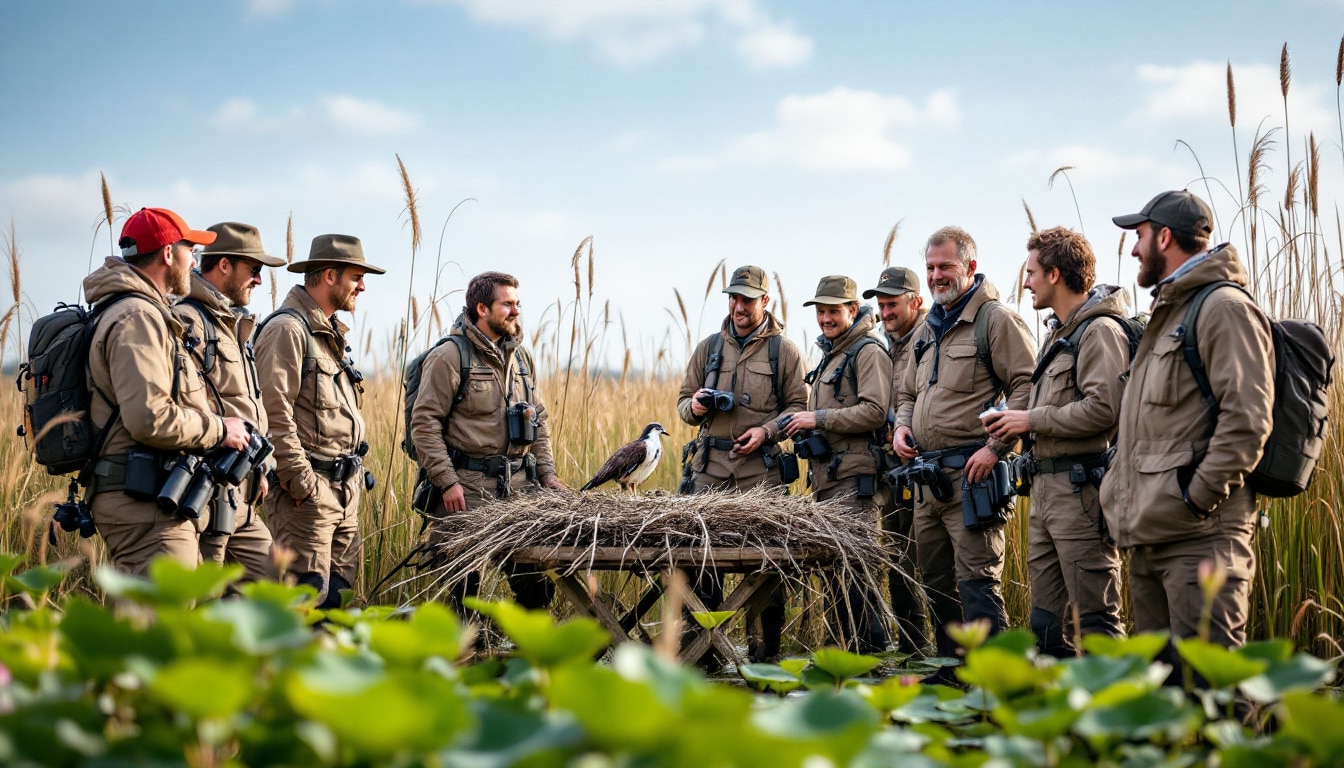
(664, 433)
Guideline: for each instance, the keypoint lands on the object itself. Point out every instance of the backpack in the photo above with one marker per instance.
(310, 351)
(414, 370)
(57, 389)
(1132, 327)
(210, 348)
(716, 359)
(1302, 375)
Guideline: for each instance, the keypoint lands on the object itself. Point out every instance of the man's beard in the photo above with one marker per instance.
(342, 297)
(1152, 266)
(240, 290)
(506, 328)
(180, 281)
(949, 296)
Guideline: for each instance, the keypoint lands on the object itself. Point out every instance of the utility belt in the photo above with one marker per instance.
(774, 458)
(1087, 468)
(953, 458)
(929, 470)
(342, 468)
(502, 468)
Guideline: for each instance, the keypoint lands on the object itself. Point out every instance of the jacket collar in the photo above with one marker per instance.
(299, 299)
(863, 325)
(1221, 263)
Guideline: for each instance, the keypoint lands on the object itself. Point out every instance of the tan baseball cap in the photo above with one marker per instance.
(748, 281)
(895, 281)
(834, 289)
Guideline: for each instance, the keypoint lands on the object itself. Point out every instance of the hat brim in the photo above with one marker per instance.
(871, 292)
(198, 237)
(745, 290)
(828, 300)
(1130, 221)
(303, 266)
(265, 259)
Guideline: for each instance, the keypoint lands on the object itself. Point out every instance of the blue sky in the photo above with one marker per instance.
(787, 134)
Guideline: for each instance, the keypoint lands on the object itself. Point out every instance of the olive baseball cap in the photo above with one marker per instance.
(894, 281)
(748, 281)
(335, 251)
(834, 289)
(240, 241)
(1177, 209)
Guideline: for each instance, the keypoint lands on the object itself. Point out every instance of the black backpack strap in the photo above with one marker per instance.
(776, 342)
(525, 372)
(848, 366)
(209, 350)
(982, 350)
(1190, 348)
(463, 365)
(310, 354)
(95, 312)
(714, 362)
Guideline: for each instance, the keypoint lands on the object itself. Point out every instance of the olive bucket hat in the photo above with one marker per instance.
(241, 241)
(335, 251)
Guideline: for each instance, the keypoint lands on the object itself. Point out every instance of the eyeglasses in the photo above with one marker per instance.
(256, 269)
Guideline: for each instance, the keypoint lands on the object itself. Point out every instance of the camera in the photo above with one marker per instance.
(924, 473)
(522, 423)
(811, 445)
(232, 467)
(74, 515)
(716, 400)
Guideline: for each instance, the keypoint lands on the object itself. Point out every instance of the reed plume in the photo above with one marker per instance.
(891, 240)
(1063, 170)
(783, 304)
(1231, 98)
(107, 212)
(1313, 175)
(1285, 78)
(1030, 218)
(412, 204)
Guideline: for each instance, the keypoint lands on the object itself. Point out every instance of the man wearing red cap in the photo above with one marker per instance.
(149, 397)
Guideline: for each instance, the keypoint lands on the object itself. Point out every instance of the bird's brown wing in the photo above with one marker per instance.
(622, 462)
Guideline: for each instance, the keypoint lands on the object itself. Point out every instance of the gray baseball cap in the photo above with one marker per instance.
(1178, 209)
(834, 289)
(895, 281)
(748, 281)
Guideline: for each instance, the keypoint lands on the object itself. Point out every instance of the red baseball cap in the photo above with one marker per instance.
(150, 229)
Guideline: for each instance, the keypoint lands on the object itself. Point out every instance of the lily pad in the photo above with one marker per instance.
(204, 688)
(1146, 646)
(712, 619)
(842, 665)
(770, 677)
(1221, 667)
(1302, 672)
(539, 638)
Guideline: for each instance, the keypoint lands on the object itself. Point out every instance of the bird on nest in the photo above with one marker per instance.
(633, 462)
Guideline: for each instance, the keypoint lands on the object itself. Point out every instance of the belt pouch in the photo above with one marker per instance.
(144, 475)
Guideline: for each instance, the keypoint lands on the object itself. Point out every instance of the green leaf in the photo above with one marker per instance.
(39, 580)
(1146, 646)
(1095, 673)
(8, 562)
(170, 583)
(510, 736)
(770, 677)
(1314, 721)
(842, 665)
(539, 639)
(839, 723)
(100, 643)
(284, 595)
(204, 688)
(261, 628)
(433, 630)
(671, 681)
(1019, 641)
(892, 693)
(712, 619)
(1221, 667)
(1003, 672)
(1277, 649)
(1159, 714)
(795, 666)
(594, 695)
(1043, 723)
(1301, 672)
(930, 707)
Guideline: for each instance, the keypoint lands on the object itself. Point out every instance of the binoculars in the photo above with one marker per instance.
(812, 445)
(74, 515)
(925, 474)
(716, 400)
(192, 480)
(522, 423)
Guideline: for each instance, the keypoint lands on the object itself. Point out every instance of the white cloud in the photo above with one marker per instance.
(840, 131)
(1198, 92)
(346, 114)
(640, 31)
(1085, 160)
(266, 9)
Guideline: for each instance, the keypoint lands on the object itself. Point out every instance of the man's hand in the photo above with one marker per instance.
(904, 443)
(455, 499)
(698, 408)
(1007, 426)
(980, 465)
(749, 441)
(800, 421)
(235, 433)
(551, 482)
(265, 486)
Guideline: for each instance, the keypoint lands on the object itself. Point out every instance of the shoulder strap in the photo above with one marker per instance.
(211, 335)
(1190, 347)
(848, 363)
(714, 362)
(776, 342)
(310, 353)
(982, 349)
(463, 364)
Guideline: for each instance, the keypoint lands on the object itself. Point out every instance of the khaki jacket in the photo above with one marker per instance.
(947, 413)
(746, 373)
(851, 413)
(137, 360)
(899, 350)
(1077, 418)
(232, 384)
(476, 426)
(317, 413)
(1164, 421)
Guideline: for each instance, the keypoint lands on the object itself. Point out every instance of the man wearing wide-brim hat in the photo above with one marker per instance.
(847, 410)
(215, 313)
(311, 392)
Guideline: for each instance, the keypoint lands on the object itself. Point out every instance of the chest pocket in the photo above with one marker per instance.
(230, 376)
(756, 385)
(481, 394)
(1163, 373)
(957, 370)
(189, 383)
(326, 389)
(1057, 382)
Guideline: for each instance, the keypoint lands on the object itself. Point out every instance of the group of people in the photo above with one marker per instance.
(1104, 426)
(1112, 432)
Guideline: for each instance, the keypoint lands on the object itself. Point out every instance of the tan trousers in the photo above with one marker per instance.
(1164, 586)
(136, 532)
(324, 534)
(249, 545)
(1071, 568)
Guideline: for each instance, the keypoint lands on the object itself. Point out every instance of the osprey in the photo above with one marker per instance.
(633, 462)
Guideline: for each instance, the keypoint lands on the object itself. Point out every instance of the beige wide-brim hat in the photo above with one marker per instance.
(335, 251)
(242, 241)
(834, 289)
